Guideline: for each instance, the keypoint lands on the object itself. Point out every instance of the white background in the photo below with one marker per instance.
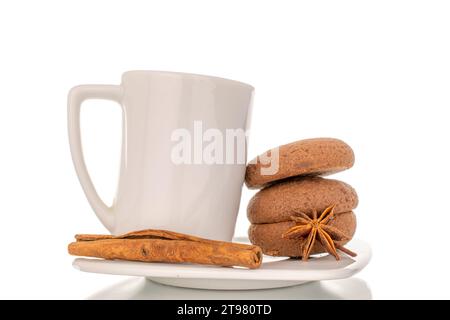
(373, 73)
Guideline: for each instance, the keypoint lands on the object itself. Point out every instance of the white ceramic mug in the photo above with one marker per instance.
(154, 192)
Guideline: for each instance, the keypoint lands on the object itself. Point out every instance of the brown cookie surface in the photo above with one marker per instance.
(320, 156)
(280, 201)
(269, 236)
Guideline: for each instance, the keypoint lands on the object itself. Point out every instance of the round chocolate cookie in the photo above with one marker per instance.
(270, 211)
(320, 156)
(278, 202)
(268, 236)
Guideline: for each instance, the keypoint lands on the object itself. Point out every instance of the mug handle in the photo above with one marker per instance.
(76, 97)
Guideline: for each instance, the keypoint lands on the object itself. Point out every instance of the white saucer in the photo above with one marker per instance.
(273, 273)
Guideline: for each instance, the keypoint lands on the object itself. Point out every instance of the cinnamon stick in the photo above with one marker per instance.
(166, 246)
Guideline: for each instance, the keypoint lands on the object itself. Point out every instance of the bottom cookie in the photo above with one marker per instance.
(269, 236)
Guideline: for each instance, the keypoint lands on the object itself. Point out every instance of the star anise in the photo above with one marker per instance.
(308, 230)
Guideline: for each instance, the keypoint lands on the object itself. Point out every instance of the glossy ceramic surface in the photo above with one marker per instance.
(274, 272)
(153, 191)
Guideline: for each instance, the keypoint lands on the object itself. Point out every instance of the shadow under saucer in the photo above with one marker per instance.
(138, 288)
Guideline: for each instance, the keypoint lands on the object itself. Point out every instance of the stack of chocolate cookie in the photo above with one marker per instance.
(297, 212)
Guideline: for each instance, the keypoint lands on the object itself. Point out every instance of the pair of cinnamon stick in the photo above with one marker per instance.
(166, 246)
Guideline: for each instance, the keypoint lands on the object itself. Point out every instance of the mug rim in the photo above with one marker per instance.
(190, 75)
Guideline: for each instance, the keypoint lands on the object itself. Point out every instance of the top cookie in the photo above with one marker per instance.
(320, 156)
